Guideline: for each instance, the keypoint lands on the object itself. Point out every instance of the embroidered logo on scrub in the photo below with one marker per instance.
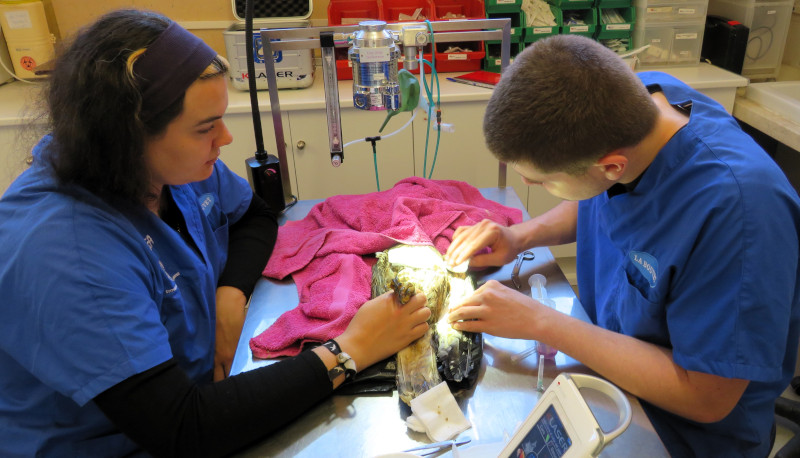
(170, 278)
(206, 202)
(647, 265)
(172, 286)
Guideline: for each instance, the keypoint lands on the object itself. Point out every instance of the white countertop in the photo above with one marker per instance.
(17, 97)
(782, 129)
(702, 76)
(17, 102)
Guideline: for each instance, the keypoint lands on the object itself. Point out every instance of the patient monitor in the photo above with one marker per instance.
(562, 425)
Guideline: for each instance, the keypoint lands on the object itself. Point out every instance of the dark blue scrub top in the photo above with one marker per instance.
(93, 295)
(702, 257)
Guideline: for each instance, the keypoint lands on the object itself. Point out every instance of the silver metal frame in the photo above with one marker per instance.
(308, 38)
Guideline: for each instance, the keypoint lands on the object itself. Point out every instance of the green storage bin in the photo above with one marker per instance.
(517, 21)
(491, 62)
(532, 34)
(616, 30)
(613, 3)
(620, 45)
(503, 6)
(572, 4)
(589, 17)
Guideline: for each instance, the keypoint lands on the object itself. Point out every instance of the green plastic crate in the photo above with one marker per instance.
(572, 4)
(492, 61)
(503, 6)
(621, 49)
(532, 34)
(531, 39)
(613, 3)
(620, 30)
(517, 21)
(589, 17)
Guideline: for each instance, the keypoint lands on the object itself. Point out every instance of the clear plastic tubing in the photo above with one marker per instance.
(537, 283)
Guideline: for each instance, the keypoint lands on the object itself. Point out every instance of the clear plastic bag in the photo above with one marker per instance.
(443, 353)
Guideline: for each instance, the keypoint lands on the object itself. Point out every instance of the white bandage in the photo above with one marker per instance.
(436, 413)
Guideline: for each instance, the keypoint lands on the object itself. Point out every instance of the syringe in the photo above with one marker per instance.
(539, 292)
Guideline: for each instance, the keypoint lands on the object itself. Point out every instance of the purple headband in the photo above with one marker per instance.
(168, 67)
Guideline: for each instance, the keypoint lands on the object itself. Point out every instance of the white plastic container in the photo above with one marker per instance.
(29, 41)
(670, 44)
(293, 69)
(670, 11)
(769, 25)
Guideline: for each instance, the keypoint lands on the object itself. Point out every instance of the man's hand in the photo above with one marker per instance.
(469, 240)
(497, 310)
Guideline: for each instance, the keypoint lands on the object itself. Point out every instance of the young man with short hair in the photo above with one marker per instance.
(687, 243)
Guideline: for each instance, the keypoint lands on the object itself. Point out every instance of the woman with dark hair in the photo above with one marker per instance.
(128, 254)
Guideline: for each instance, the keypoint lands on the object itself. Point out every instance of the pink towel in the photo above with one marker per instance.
(326, 252)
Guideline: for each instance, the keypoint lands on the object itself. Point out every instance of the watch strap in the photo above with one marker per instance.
(344, 363)
(332, 346)
(335, 372)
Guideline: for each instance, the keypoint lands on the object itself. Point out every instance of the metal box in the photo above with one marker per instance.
(293, 69)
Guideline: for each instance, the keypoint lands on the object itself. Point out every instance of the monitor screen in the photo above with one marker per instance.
(547, 438)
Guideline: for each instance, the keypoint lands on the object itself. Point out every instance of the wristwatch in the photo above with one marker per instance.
(344, 363)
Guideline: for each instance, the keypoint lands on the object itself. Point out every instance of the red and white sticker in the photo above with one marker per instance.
(28, 63)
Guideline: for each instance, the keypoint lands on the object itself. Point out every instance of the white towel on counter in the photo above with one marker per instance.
(436, 413)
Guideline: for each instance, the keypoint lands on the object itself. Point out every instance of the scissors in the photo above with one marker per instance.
(436, 447)
(526, 255)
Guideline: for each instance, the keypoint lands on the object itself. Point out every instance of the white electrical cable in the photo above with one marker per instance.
(413, 115)
(354, 142)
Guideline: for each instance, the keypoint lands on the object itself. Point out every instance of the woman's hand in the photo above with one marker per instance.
(230, 319)
(469, 240)
(382, 327)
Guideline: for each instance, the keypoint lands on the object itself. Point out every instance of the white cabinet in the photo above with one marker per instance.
(318, 179)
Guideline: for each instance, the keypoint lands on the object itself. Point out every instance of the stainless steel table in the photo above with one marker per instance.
(368, 425)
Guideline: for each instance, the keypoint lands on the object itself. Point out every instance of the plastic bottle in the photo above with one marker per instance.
(537, 283)
(29, 40)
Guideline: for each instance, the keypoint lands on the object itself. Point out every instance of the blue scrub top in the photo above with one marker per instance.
(702, 257)
(92, 295)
